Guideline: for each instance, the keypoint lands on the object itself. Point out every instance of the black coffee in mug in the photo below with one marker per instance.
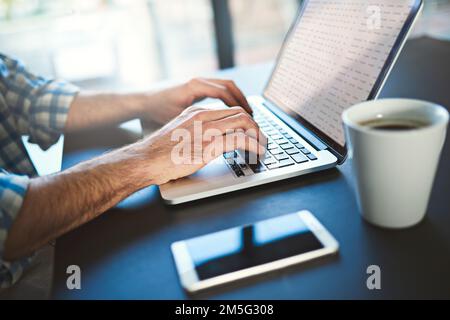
(394, 124)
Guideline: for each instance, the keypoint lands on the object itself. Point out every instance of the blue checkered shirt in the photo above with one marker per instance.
(32, 106)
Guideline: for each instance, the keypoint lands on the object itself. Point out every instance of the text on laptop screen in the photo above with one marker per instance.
(333, 58)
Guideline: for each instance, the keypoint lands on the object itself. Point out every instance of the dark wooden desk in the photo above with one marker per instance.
(125, 252)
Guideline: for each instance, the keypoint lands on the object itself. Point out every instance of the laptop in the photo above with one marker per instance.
(336, 54)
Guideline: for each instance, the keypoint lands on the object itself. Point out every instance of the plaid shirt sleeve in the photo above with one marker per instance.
(33, 106)
(39, 105)
(12, 191)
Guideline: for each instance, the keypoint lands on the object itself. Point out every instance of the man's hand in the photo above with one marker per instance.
(205, 133)
(93, 109)
(163, 106)
(82, 192)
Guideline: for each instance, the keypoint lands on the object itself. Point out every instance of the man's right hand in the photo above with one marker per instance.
(198, 136)
(84, 191)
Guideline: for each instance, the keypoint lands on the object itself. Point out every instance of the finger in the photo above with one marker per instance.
(231, 142)
(233, 122)
(236, 92)
(213, 113)
(241, 121)
(204, 88)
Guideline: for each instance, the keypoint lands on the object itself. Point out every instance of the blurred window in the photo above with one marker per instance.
(129, 44)
(259, 27)
(116, 44)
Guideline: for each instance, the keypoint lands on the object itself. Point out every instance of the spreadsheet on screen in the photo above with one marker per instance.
(333, 57)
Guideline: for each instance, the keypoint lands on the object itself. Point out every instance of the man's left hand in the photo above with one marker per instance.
(167, 104)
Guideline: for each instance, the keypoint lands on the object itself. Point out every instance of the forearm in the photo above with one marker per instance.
(59, 203)
(97, 109)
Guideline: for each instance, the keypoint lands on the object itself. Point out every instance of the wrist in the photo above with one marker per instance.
(127, 169)
(149, 162)
(138, 103)
(139, 164)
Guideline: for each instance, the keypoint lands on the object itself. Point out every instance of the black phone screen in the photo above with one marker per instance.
(244, 247)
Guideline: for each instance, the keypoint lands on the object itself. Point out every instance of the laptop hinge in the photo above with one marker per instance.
(297, 127)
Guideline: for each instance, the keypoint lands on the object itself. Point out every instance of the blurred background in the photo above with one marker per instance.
(125, 44)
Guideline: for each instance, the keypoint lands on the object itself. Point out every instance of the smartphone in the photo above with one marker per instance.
(237, 253)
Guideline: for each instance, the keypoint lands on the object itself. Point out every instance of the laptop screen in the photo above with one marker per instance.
(333, 58)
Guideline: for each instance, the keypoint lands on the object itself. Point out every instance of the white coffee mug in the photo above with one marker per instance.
(395, 169)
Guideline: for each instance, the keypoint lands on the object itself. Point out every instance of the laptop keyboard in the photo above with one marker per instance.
(282, 150)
